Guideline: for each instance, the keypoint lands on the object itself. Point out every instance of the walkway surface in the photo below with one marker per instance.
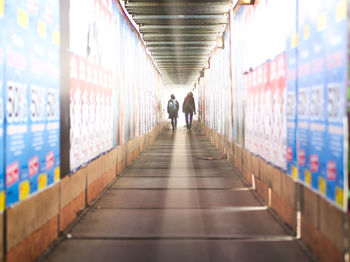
(172, 206)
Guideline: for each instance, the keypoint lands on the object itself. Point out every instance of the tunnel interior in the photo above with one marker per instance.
(85, 134)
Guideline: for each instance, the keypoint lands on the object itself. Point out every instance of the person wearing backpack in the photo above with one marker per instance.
(173, 109)
(189, 108)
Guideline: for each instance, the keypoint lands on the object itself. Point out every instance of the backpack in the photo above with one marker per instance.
(172, 108)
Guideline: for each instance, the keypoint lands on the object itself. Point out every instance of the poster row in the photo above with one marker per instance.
(317, 73)
(29, 98)
(114, 86)
(292, 89)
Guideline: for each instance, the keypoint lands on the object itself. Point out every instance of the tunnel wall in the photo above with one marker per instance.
(89, 66)
(282, 131)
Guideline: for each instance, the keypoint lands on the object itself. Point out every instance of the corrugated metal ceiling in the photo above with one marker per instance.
(179, 34)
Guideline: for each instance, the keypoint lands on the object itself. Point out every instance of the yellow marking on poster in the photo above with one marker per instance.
(56, 37)
(306, 32)
(307, 177)
(341, 11)
(24, 190)
(322, 185)
(22, 18)
(339, 196)
(57, 174)
(42, 181)
(322, 22)
(2, 8)
(2, 201)
(294, 172)
(294, 42)
(42, 29)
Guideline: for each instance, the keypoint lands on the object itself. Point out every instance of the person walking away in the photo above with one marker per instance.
(189, 108)
(173, 109)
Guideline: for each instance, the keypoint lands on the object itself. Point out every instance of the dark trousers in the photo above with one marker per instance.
(189, 116)
(174, 122)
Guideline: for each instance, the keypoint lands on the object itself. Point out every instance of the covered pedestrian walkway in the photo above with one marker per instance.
(91, 171)
(172, 204)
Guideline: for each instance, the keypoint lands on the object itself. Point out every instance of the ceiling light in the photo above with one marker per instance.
(247, 2)
(220, 42)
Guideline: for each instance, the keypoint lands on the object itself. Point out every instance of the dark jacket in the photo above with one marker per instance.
(189, 106)
(173, 114)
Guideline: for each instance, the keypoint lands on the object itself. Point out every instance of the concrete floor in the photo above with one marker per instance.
(171, 206)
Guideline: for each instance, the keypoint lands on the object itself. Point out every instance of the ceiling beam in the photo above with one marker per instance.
(181, 72)
(181, 43)
(176, 8)
(183, 69)
(172, 55)
(182, 53)
(181, 19)
(186, 67)
(176, 48)
(178, 60)
(213, 4)
(192, 73)
(177, 37)
(180, 28)
(184, 35)
(174, 65)
(175, 17)
(181, 1)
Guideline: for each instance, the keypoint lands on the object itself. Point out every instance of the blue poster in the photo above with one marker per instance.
(43, 96)
(37, 88)
(2, 110)
(17, 50)
(315, 171)
(32, 98)
(292, 107)
(303, 100)
(51, 159)
(336, 90)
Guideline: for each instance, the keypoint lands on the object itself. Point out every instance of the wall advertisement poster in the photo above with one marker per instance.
(31, 90)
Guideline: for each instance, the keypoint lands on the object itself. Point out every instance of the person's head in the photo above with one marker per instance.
(190, 94)
(172, 96)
